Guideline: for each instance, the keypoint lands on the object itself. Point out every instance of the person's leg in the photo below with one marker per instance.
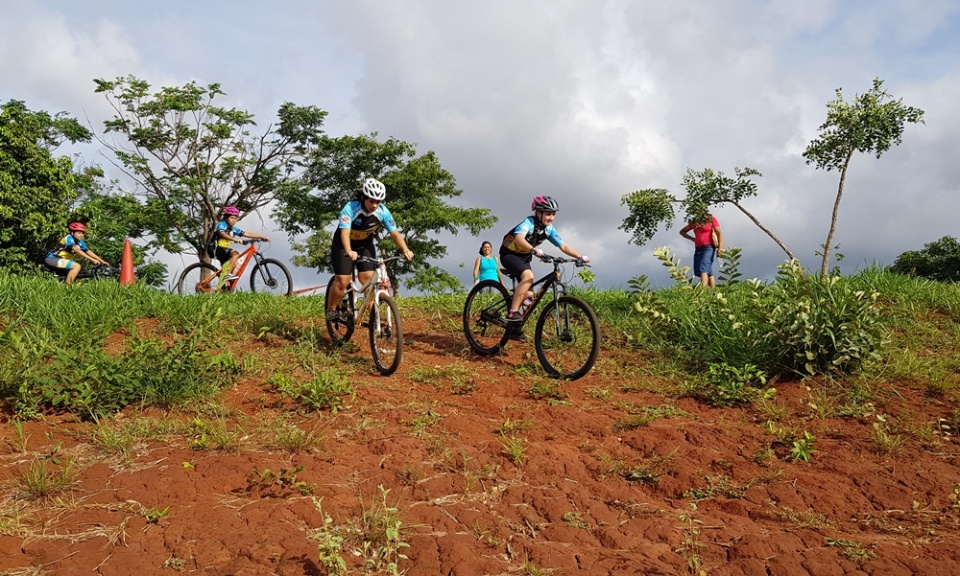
(523, 286)
(340, 284)
(73, 270)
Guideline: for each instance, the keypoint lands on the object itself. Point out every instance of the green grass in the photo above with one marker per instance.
(173, 351)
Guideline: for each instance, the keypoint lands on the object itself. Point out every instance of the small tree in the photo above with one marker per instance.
(416, 189)
(873, 122)
(938, 261)
(190, 157)
(648, 209)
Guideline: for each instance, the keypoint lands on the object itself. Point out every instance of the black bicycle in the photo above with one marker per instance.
(567, 334)
(87, 272)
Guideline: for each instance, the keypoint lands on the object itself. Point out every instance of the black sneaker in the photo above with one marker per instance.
(513, 317)
(332, 315)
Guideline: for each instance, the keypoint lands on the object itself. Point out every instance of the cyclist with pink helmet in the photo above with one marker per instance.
(225, 234)
(63, 257)
(519, 247)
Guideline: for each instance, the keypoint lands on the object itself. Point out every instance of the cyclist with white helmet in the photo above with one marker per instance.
(225, 234)
(63, 257)
(360, 221)
(520, 245)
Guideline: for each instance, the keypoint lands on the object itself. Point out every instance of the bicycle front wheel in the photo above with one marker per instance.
(199, 278)
(340, 328)
(271, 276)
(567, 338)
(484, 317)
(386, 335)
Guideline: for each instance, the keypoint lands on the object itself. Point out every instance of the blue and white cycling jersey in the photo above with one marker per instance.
(533, 233)
(363, 225)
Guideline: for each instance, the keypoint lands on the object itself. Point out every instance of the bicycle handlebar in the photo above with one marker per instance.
(379, 259)
(561, 260)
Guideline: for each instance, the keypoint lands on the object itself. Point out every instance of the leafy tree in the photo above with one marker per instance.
(37, 188)
(416, 189)
(873, 122)
(648, 209)
(190, 157)
(938, 261)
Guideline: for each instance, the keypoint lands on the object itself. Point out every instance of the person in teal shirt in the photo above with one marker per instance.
(487, 266)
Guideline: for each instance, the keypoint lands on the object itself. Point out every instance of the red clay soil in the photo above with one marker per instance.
(492, 473)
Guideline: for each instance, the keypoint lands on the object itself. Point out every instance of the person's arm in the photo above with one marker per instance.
(402, 244)
(254, 235)
(345, 240)
(89, 255)
(476, 269)
(566, 249)
(720, 240)
(684, 232)
(500, 271)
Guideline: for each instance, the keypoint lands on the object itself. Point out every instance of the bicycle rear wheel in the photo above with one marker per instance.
(484, 317)
(386, 335)
(341, 328)
(567, 338)
(193, 275)
(272, 276)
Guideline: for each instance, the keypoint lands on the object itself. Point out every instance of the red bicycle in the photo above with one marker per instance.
(268, 275)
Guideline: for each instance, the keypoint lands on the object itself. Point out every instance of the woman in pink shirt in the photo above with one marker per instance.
(704, 250)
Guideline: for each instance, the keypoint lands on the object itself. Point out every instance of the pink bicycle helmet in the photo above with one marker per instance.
(77, 227)
(544, 204)
(231, 211)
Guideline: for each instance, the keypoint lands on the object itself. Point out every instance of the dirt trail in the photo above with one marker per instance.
(490, 478)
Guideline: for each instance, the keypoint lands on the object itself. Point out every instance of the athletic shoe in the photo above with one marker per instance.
(332, 315)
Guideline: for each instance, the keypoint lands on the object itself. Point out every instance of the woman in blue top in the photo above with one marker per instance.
(487, 266)
(360, 220)
(520, 246)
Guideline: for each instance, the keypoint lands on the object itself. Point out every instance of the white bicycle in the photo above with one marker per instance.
(375, 297)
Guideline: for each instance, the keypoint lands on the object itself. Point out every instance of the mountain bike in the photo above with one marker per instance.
(87, 272)
(268, 275)
(566, 336)
(375, 296)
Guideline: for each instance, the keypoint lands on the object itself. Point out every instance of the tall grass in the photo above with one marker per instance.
(54, 352)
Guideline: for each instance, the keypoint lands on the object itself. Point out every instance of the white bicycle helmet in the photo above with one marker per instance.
(374, 189)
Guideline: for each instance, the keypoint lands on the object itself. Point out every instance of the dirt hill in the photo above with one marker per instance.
(492, 469)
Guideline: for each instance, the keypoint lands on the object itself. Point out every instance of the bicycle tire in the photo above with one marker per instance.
(271, 276)
(386, 335)
(484, 317)
(189, 282)
(340, 329)
(567, 338)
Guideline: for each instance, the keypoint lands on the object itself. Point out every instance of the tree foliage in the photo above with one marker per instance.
(417, 189)
(872, 122)
(938, 261)
(37, 187)
(651, 208)
(190, 157)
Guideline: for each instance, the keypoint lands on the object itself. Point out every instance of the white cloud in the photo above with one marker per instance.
(586, 101)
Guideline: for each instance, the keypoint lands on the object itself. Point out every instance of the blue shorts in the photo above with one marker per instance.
(703, 260)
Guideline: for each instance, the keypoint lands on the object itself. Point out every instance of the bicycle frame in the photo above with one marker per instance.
(206, 285)
(377, 285)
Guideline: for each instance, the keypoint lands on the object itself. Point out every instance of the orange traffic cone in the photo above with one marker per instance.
(126, 264)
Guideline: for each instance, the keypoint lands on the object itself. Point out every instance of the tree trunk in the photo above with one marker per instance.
(768, 232)
(836, 212)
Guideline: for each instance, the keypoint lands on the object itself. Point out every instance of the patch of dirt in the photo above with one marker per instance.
(604, 476)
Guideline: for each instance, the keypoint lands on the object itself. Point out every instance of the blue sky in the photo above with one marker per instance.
(586, 100)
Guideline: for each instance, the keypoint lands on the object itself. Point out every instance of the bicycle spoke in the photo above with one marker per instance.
(567, 338)
(484, 315)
